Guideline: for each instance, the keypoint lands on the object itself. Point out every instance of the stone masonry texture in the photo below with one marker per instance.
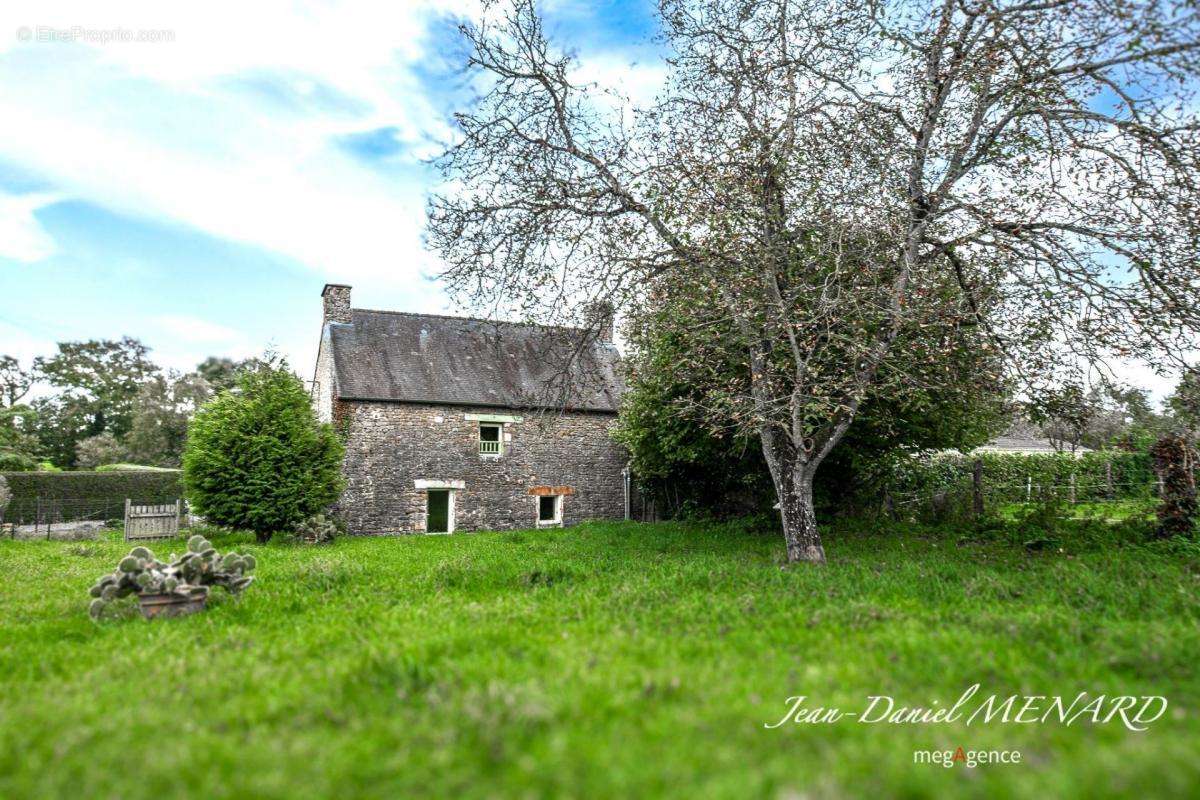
(336, 303)
(391, 445)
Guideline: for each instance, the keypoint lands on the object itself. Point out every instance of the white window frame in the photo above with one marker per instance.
(499, 443)
(449, 512)
(451, 488)
(558, 511)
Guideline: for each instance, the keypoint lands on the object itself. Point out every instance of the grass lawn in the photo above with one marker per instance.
(607, 660)
(1109, 511)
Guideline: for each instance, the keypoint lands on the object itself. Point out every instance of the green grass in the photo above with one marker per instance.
(1110, 510)
(608, 660)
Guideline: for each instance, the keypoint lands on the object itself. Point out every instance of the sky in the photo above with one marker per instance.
(192, 174)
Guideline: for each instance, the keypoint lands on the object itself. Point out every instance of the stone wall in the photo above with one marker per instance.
(335, 302)
(390, 446)
(322, 388)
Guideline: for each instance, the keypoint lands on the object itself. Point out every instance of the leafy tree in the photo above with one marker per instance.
(257, 458)
(60, 422)
(1065, 414)
(99, 380)
(222, 373)
(1102, 416)
(1184, 402)
(161, 412)
(103, 448)
(15, 382)
(18, 447)
(685, 452)
(837, 175)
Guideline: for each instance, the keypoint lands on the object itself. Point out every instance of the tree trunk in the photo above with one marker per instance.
(799, 517)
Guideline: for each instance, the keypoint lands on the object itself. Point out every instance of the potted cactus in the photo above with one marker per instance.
(174, 588)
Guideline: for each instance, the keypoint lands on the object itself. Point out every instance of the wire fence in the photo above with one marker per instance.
(974, 494)
(61, 517)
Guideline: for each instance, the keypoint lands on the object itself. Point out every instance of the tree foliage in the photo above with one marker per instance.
(222, 373)
(100, 379)
(835, 175)
(103, 448)
(256, 457)
(19, 449)
(15, 381)
(1175, 460)
(109, 399)
(681, 357)
(1184, 402)
(161, 411)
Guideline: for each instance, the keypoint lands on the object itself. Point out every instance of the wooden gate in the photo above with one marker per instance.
(152, 522)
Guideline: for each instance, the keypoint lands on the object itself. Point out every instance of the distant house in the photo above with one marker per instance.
(455, 424)
(1025, 444)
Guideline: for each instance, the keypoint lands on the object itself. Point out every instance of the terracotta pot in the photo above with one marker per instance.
(171, 605)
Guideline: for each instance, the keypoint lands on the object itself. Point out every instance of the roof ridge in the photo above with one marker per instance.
(470, 319)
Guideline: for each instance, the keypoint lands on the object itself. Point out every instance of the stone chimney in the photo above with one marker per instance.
(600, 316)
(336, 302)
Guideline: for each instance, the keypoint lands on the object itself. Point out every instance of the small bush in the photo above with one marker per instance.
(1045, 515)
(1176, 461)
(258, 459)
(16, 462)
(317, 529)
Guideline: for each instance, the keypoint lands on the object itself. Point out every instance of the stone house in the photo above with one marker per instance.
(457, 424)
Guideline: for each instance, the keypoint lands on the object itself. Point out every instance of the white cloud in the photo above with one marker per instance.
(229, 126)
(637, 81)
(171, 130)
(21, 344)
(1142, 375)
(22, 237)
(194, 329)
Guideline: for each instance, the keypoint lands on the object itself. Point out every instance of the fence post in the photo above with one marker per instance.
(1072, 485)
(1028, 488)
(1108, 484)
(977, 488)
(126, 519)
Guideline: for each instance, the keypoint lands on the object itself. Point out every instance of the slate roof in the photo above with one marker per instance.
(1023, 444)
(424, 358)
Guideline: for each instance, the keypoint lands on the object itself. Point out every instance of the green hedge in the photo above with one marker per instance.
(1007, 477)
(97, 495)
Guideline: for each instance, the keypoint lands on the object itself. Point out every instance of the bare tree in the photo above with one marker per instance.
(830, 175)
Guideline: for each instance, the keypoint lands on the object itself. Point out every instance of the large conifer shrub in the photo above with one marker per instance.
(258, 459)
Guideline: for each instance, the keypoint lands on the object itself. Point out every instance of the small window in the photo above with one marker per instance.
(491, 439)
(550, 509)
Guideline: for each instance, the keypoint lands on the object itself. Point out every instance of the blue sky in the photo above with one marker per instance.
(196, 192)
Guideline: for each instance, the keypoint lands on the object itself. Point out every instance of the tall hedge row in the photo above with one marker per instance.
(68, 490)
(1007, 476)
